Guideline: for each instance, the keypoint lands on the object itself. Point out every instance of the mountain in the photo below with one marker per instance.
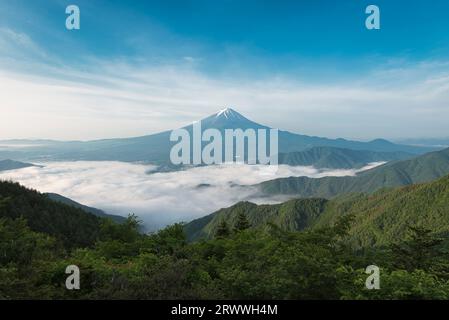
(94, 211)
(338, 158)
(228, 118)
(291, 215)
(433, 142)
(423, 168)
(379, 219)
(72, 226)
(13, 165)
(156, 148)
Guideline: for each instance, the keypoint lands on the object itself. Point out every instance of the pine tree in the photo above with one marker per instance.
(242, 223)
(419, 251)
(222, 230)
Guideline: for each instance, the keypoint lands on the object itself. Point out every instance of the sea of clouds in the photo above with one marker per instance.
(157, 198)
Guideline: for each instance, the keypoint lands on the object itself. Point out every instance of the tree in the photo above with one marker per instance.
(419, 251)
(242, 223)
(222, 230)
(170, 240)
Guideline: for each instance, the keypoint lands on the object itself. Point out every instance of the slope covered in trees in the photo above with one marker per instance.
(72, 226)
(380, 218)
(424, 168)
(94, 211)
(383, 217)
(247, 260)
(338, 158)
(292, 215)
(255, 263)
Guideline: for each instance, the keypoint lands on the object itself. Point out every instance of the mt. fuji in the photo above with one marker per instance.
(156, 148)
(228, 118)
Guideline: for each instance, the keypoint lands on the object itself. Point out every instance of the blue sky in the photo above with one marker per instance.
(277, 34)
(137, 67)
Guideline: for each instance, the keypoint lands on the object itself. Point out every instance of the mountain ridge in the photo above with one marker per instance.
(155, 148)
(8, 164)
(338, 158)
(420, 169)
(94, 211)
(73, 226)
(379, 218)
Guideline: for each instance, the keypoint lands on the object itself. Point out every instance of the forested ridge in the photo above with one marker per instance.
(71, 226)
(380, 217)
(240, 261)
(338, 158)
(424, 168)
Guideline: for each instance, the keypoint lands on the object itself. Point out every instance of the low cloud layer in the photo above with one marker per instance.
(159, 198)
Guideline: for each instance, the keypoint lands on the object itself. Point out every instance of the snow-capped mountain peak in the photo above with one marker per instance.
(229, 118)
(229, 113)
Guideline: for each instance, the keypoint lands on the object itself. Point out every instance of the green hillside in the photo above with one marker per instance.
(424, 168)
(380, 218)
(37, 238)
(72, 226)
(384, 217)
(338, 158)
(94, 211)
(291, 215)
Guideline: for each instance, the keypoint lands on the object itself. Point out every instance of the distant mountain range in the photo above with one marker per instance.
(432, 142)
(8, 164)
(380, 218)
(338, 158)
(423, 168)
(156, 148)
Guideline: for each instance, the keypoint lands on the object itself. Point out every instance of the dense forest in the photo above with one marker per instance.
(338, 158)
(39, 238)
(424, 168)
(380, 217)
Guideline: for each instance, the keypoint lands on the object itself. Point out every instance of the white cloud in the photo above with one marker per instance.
(159, 198)
(104, 99)
(18, 45)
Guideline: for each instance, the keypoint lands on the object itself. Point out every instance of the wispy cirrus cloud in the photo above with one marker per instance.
(18, 45)
(44, 97)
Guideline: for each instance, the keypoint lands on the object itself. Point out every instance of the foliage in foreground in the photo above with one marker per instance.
(260, 263)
